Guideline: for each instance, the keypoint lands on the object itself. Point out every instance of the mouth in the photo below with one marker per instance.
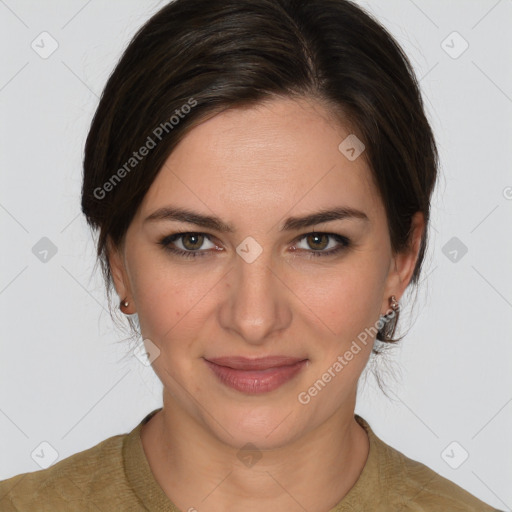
(255, 376)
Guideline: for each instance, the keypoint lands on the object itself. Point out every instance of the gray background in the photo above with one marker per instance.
(66, 375)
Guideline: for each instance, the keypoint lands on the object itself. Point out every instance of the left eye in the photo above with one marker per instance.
(317, 243)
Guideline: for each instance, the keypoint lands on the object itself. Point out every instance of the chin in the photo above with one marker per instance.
(266, 427)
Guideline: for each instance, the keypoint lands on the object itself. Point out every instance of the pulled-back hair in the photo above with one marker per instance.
(195, 58)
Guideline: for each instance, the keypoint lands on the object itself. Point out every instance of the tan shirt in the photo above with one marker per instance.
(115, 475)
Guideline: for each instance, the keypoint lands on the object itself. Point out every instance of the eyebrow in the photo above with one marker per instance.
(292, 223)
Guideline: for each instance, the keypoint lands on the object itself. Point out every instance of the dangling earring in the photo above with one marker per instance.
(395, 306)
(391, 319)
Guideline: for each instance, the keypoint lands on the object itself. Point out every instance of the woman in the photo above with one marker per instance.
(260, 174)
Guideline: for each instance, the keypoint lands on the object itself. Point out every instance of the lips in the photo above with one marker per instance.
(255, 376)
(262, 363)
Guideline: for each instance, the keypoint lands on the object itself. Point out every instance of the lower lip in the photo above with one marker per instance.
(256, 381)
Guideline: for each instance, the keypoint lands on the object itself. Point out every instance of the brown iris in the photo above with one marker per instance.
(194, 246)
(317, 241)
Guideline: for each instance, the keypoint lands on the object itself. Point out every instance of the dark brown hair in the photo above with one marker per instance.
(195, 58)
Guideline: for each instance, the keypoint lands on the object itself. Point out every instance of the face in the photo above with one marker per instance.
(253, 275)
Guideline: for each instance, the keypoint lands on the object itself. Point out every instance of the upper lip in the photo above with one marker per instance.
(262, 363)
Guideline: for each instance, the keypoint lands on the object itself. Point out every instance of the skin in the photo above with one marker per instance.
(253, 168)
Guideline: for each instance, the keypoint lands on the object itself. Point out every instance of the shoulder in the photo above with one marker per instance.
(84, 477)
(413, 486)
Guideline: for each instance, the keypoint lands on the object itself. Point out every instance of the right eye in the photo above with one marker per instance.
(188, 244)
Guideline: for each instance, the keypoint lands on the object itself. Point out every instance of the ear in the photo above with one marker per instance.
(403, 263)
(120, 275)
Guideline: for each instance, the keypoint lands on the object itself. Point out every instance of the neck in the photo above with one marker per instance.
(197, 470)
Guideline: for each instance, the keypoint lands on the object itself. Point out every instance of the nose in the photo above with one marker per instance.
(257, 302)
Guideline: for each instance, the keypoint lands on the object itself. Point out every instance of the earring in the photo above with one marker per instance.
(395, 306)
(390, 319)
(123, 304)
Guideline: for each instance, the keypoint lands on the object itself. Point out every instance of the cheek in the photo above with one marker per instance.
(346, 299)
(157, 294)
(170, 297)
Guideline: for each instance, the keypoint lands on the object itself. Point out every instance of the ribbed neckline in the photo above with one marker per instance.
(153, 498)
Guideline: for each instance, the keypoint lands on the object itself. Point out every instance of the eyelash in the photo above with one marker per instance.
(166, 242)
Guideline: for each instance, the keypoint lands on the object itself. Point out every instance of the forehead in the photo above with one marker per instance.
(279, 155)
